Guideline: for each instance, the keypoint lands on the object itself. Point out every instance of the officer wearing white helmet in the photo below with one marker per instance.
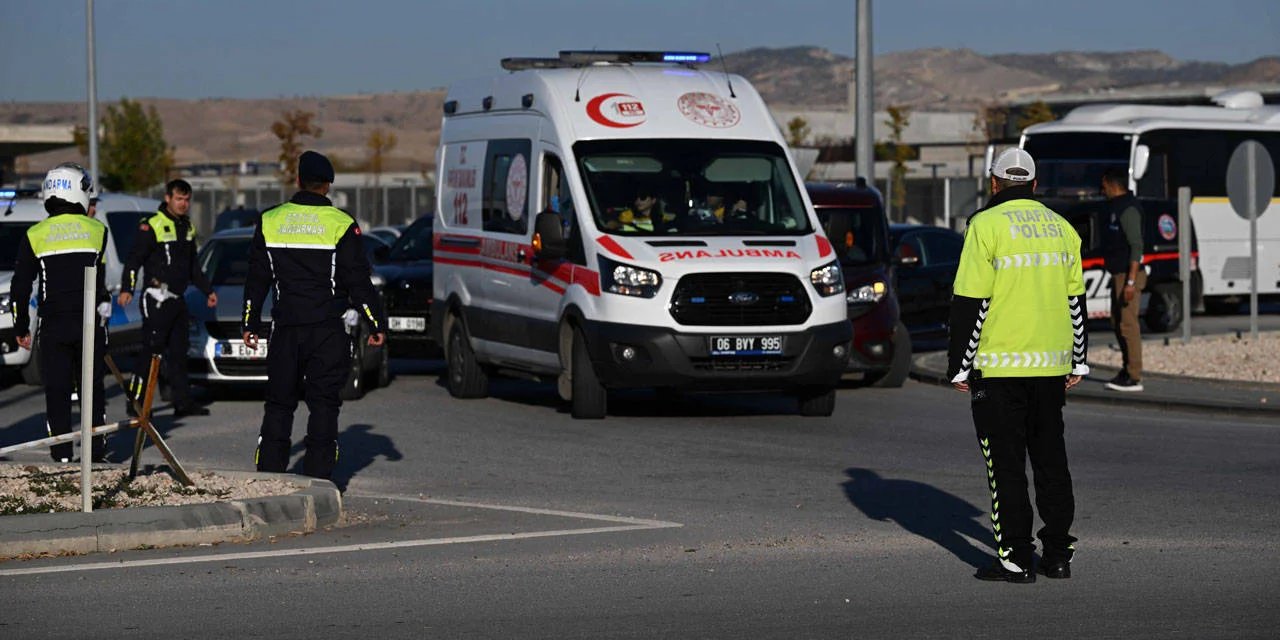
(57, 249)
(1017, 344)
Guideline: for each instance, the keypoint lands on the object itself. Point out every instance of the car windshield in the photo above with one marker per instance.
(226, 261)
(691, 188)
(857, 233)
(413, 244)
(10, 236)
(1071, 164)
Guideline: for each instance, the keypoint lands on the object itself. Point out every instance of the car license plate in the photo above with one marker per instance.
(242, 351)
(745, 345)
(396, 323)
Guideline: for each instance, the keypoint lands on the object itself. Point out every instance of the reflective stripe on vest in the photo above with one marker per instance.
(296, 226)
(66, 233)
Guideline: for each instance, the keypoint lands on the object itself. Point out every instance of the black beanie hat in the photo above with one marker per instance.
(314, 167)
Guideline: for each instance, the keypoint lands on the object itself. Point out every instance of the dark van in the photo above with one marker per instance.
(854, 220)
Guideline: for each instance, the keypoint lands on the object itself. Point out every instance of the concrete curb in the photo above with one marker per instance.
(925, 369)
(317, 504)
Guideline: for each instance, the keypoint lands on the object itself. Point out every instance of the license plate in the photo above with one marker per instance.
(241, 351)
(745, 345)
(406, 324)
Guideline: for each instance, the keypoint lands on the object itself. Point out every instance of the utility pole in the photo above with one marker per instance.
(93, 98)
(864, 109)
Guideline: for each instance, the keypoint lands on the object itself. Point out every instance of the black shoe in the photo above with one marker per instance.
(996, 572)
(190, 410)
(1058, 568)
(1122, 382)
(128, 407)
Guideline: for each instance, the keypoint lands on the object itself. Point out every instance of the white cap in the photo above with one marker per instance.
(1014, 158)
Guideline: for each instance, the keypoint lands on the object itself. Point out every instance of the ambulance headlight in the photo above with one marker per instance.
(873, 292)
(624, 279)
(828, 279)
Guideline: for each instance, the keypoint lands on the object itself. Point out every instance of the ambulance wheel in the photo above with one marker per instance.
(31, 371)
(465, 377)
(590, 400)
(817, 403)
(901, 366)
(1164, 309)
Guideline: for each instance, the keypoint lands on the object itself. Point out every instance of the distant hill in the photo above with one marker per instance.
(226, 130)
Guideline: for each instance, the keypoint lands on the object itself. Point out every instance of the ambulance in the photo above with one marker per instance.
(615, 220)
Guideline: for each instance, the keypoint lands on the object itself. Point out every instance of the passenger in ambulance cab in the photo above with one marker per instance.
(644, 211)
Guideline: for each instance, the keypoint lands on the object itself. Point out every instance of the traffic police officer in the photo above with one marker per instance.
(310, 252)
(1017, 344)
(165, 250)
(57, 249)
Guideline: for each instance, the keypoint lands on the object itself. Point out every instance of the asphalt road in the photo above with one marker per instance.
(689, 517)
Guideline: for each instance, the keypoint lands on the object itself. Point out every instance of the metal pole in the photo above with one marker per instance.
(93, 97)
(1184, 258)
(946, 202)
(386, 206)
(88, 324)
(1251, 179)
(864, 109)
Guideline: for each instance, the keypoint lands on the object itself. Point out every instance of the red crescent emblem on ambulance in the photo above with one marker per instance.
(617, 110)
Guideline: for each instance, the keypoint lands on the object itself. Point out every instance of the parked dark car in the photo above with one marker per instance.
(854, 220)
(927, 259)
(237, 218)
(406, 270)
(217, 353)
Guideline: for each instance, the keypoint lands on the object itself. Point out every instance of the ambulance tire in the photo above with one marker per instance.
(1164, 309)
(31, 370)
(817, 403)
(589, 400)
(464, 376)
(896, 375)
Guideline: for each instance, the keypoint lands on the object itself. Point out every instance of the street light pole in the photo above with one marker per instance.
(93, 97)
(864, 107)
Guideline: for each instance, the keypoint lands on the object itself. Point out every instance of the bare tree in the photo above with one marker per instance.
(291, 129)
(380, 143)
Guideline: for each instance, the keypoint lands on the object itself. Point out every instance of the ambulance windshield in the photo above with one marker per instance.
(691, 188)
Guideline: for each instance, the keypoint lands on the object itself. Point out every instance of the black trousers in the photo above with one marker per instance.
(307, 362)
(165, 333)
(1014, 418)
(59, 340)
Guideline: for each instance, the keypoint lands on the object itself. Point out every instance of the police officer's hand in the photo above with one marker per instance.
(962, 387)
(125, 298)
(25, 342)
(1073, 381)
(377, 339)
(250, 339)
(213, 300)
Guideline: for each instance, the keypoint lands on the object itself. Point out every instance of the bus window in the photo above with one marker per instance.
(1071, 164)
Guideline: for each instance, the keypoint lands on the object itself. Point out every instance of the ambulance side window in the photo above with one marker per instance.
(556, 197)
(506, 186)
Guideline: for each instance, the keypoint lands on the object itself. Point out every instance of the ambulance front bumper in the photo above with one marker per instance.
(629, 356)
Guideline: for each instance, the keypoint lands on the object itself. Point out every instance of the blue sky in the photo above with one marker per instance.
(271, 48)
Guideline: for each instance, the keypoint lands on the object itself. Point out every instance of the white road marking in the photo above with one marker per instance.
(624, 524)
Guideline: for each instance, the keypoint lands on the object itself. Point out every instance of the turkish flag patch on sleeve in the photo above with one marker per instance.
(356, 227)
(144, 227)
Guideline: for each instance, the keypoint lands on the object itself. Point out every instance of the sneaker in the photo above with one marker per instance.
(1122, 382)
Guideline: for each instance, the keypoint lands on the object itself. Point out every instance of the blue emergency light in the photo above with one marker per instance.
(683, 56)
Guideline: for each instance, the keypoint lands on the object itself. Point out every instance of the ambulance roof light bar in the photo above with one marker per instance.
(584, 58)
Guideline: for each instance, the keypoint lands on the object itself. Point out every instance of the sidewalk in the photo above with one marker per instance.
(1162, 391)
(317, 504)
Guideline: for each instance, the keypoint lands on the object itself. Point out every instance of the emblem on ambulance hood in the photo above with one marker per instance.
(708, 110)
(617, 110)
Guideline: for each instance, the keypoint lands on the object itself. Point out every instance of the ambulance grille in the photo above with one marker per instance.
(740, 299)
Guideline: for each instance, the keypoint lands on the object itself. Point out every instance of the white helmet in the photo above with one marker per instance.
(70, 182)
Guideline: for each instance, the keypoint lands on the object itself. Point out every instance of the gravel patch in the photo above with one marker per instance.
(42, 488)
(1223, 357)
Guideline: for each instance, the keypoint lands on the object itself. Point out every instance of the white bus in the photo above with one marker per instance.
(1164, 148)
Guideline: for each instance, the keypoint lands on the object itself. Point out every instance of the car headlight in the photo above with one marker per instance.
(873, 292)
(624, 279)
(827, 279)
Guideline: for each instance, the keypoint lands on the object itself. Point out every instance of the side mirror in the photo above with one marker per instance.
(381, 254)
(1141, 157)
(548, 237)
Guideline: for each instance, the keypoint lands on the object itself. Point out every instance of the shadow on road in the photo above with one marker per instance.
(358, 448)
(923, 510)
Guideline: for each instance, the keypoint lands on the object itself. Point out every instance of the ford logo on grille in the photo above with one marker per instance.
(743, 297)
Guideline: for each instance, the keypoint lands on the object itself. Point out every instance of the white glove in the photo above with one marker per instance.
(104, 309)
(351, 318)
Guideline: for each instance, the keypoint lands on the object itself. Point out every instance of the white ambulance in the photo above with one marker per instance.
(624, 219)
